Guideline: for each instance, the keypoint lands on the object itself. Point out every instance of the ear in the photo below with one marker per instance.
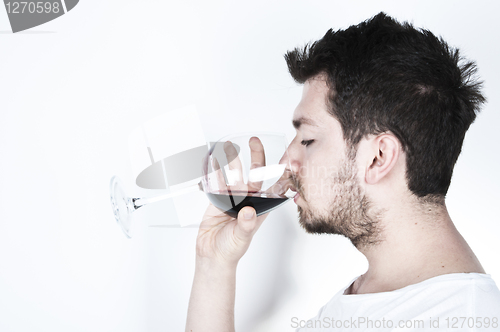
(385, 152)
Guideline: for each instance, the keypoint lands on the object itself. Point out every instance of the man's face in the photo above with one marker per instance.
(330, 198)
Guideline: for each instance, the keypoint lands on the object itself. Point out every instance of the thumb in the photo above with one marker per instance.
(247, 223)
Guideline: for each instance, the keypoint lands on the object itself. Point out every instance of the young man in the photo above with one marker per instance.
(380, 125)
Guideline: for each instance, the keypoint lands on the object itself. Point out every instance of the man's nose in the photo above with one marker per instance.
(292, 164)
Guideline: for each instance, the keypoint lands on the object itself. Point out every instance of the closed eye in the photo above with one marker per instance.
(307, 143)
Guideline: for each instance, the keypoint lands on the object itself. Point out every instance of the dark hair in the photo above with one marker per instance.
(386, 76)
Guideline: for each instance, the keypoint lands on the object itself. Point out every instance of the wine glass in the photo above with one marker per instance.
(249, 169)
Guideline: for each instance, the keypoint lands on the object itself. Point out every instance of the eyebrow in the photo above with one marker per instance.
(300, 121)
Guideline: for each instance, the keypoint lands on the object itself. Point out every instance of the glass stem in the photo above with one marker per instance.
(138, 202)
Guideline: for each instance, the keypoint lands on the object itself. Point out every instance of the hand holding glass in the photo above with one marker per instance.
(239, 170)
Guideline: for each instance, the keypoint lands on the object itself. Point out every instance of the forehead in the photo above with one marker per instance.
(312, 110)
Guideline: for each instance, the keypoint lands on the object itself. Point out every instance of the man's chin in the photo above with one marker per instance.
(312, 227)
(311, 224)
(359, 235)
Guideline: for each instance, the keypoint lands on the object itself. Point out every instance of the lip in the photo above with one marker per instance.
(296, 197)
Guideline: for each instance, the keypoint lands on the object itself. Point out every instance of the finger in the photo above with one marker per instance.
(258, 156)
(233, 161)
(258, 159)
(247, 224)
(222, 186)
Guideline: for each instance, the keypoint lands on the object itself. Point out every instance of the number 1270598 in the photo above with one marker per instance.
(32, 7)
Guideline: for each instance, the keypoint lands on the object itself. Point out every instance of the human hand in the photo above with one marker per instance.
(222, 239)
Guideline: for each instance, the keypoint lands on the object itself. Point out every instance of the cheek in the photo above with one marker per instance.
(317, 169)
(314, 190)
(316, 181)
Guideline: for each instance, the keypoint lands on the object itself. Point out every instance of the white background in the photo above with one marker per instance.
(73, 89)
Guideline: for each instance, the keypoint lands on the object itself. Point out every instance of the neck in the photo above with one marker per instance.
(418, 241)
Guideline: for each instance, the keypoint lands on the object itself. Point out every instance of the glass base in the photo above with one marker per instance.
(122, 205)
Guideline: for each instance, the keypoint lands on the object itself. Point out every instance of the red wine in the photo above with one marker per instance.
(232, 203)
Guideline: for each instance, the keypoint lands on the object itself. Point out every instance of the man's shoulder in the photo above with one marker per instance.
(436, 302)
(466, 293)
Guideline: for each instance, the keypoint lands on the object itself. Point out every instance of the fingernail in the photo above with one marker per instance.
(248, 214)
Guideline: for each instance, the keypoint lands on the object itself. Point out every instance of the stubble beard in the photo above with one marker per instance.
(350, 213)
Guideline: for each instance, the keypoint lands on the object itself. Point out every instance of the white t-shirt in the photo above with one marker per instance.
(451, 302)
